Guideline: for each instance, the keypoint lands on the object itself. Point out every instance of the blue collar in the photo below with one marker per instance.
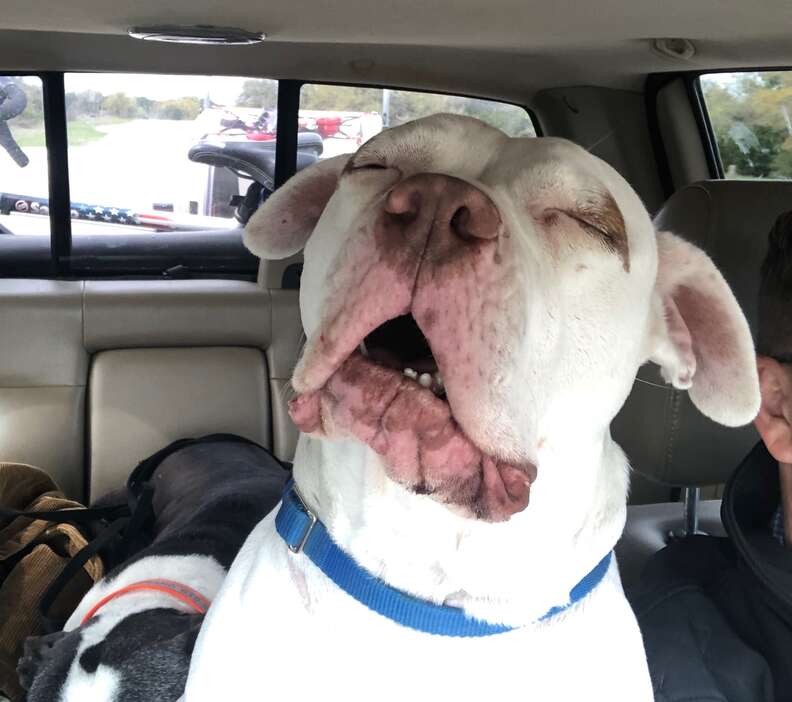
(303, 532)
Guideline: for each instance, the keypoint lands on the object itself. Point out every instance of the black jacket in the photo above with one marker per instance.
(716, 613)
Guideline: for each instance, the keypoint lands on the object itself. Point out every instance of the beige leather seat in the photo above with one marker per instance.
(96, 375)
(667, 440)
(43, 373)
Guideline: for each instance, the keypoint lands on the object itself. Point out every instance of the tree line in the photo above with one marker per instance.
(404, 105)
(751, 116)
(261, 93)
(752, 121)
(90, 104)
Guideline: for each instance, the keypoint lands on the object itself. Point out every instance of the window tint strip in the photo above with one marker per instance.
(705, 128)
(58, 160)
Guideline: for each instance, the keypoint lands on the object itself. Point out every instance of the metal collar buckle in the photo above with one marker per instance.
(311, 524)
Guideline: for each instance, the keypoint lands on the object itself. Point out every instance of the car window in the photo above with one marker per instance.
(164, 169)
(751, 116)
(23, 158)
(344, 117)
(149, 152)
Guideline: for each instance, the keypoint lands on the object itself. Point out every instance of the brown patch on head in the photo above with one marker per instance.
(601, 217)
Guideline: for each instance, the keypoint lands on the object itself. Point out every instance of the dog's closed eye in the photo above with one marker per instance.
(367, 160)
(371, 166)
(600, 217)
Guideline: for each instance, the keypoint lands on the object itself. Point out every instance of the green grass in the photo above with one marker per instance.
(28, 136)
(83, 131)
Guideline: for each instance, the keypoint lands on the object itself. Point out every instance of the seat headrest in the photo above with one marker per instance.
(730, 220)
(664, 436)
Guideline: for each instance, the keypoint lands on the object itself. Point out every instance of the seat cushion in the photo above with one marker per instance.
(142, 399)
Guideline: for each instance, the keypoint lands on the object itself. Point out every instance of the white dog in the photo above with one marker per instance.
(476, 308)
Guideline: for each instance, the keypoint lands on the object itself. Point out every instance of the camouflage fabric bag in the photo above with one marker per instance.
(33, 553)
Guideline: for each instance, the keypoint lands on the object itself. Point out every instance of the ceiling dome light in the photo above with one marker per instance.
(197, 34)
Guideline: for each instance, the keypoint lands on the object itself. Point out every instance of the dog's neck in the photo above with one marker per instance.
(511, 572)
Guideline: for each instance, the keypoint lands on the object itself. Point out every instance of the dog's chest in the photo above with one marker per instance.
(276, 625)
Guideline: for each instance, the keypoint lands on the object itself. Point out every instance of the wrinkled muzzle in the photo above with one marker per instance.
(404, 345)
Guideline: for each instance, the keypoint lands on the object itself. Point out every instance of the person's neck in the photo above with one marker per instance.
(510, 572)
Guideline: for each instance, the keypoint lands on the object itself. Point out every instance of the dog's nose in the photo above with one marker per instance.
(455, 205)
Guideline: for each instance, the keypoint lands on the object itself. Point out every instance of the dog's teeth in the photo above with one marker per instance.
(438, 380)
(425, 380)
(410, 373)
(362, 348)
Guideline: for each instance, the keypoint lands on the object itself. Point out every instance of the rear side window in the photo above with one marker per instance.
(146, 152)
(751, 117)
(23, 158)
(344, 117)
(154, 175)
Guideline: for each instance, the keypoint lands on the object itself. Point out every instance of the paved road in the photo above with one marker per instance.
(137, 164)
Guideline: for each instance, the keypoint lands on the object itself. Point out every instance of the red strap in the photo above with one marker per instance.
(186, 595)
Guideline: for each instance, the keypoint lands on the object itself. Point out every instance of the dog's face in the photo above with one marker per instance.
(473, 303)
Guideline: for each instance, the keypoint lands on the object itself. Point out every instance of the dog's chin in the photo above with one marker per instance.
(404, 416)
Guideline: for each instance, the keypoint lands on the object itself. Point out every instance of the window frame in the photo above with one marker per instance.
(34, 256)
(711, 150)
(692, 81)
(183, 255)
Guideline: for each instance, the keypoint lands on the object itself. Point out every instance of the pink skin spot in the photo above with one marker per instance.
(307, 414)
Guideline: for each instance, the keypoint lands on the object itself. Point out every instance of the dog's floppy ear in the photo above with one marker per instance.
(282, 225)
(701, 339)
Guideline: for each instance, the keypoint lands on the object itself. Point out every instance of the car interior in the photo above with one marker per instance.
(115, 343)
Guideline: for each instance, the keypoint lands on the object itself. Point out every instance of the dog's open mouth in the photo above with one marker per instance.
(389, 393)
(400, 344)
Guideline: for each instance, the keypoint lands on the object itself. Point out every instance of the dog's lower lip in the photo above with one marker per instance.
(415, 432)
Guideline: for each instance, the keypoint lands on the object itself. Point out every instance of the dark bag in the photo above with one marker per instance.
(101, 538)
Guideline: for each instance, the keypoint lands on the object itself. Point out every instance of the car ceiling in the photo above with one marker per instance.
(499, 48)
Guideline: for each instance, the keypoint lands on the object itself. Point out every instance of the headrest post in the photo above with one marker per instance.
(692, 498)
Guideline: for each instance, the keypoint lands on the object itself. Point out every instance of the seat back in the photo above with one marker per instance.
(96, 375)
(43, 373)
(664, 436)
